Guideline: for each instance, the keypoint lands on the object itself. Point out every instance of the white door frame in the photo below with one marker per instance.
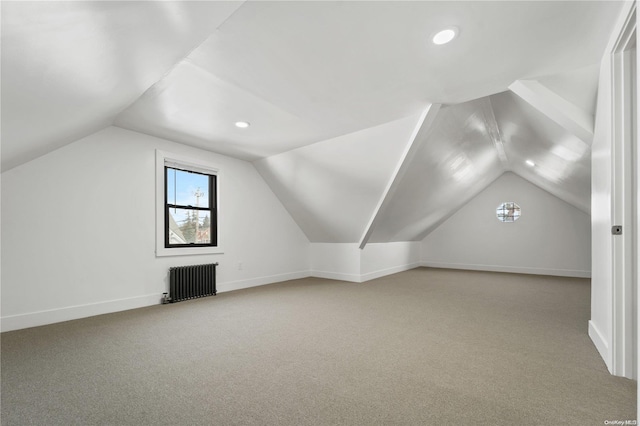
(624, 324)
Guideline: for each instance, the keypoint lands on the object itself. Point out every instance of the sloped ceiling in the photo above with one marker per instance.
(68, 68)
(562, 161)
(578, 86)
(332, 91)
(454, 162)
(331, 187)
(302, 72)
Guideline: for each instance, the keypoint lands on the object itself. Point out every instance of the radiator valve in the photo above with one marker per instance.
(165, 298)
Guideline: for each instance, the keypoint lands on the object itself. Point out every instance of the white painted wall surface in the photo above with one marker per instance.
(348, 263)
(336, 261)
(78, 230)
(380, 259)
(551, 237)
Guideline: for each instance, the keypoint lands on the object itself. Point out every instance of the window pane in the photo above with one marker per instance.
(187, 226)
(508, 212)
(187, 188)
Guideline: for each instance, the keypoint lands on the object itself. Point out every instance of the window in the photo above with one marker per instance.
(187, 206)
(508, 212)
(190, 208)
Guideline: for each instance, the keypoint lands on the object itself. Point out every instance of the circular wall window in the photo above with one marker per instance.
(508, 212)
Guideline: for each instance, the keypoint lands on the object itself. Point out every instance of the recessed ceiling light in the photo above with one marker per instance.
(530, 163)
(445, 36)
(242, 124)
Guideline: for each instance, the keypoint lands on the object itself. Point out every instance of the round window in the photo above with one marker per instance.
(508, 212)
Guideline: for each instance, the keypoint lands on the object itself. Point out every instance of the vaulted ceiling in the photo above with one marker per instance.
(365, 129)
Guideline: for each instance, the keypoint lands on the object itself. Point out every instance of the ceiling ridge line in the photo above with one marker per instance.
(173, 67)
(494, 131)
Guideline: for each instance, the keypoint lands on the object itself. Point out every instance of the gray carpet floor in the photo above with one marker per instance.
(423, 347)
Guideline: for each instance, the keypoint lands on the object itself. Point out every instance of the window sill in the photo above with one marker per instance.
(187, 251)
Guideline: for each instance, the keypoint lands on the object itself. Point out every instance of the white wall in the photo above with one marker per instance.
(337, 261)
(78, 230)
(380, 259)
(348, 263)
(551, 237)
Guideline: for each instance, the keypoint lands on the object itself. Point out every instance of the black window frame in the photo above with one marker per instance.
(212, 209)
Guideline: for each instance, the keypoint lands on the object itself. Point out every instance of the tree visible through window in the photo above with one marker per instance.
(508, 212)
(190, 208)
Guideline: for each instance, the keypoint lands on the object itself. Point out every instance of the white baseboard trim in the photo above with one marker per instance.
(339, 276)
(255, 282)
(384, 272)
(601, 344)
(360, 278)
(34, 319)
(511, 269)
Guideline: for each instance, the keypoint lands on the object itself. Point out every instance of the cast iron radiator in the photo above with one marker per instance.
(190, 282)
